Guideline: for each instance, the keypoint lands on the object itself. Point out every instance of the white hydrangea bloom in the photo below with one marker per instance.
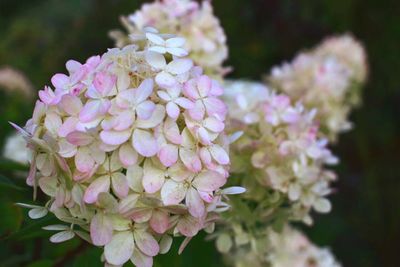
(329, 78)
(279, 159)
(205, 38)
(130, 149)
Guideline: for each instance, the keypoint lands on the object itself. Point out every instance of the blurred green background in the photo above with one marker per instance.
(39, 36)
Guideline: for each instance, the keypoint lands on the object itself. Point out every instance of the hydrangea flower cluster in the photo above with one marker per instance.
(281, 141)
(130, 148)
(279, 159)
(206, 40)
(287, 248)
(328, 78)
(292, 248)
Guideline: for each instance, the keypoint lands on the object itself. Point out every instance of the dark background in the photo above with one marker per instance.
(39, 36)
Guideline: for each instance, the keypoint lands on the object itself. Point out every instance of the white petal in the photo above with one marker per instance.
(62, 236)
(120, 249)
(156, 60)
(172, 193)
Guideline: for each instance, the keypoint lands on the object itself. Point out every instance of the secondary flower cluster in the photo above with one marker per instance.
(287, 248)
(328, 78)
(130, 148)
(206, 40)
(285, 154)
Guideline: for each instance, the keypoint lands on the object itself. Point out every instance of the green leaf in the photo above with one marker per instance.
(8, 183)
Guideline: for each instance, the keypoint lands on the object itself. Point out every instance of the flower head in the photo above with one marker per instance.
(130, 148)
(205, 39)
(279, 158)
(328, 78)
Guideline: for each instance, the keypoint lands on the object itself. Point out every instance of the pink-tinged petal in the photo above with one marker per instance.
(127, 155)
(145, 109)
(214, 124)
(124, 120)
(203, 136)
(78, 75)
(184, 102)
(93, 62)
(165, 80)
(153, 178)
(119, 184)
(140, 215)
(79, 138)
(156, 118)
(101, 229)
(195, 203)
(281, 101)
(68, 126)
(190, 159)
(290, 116)
(83, 160)
(204, 85)
(190, 90)
(216, 89)
(120, 249)
(30, 180)
(115, 137)
(141, 260)
(168, 155)
(52, 122)
(66, 149)
(91, 110)
(177, 51)
(219, 154)
(99, 185)
(125, 98)
(108, 123)
(205, 156)
(159, 221)
(144, 143)
(156, 60)
(178, 172)
(71, 104)
(144, 90)
(84, 126)
(49, 97)
(215, 107)
(172, 193)
(209, 181)
(146, 243)
(104, 82)
(188, 226)
(92, 92)
(164, 95)
(173, 110)
(206, 196)
(60, 81)
(171, 131)
(198, 111)
(179, 66)
(73, 65)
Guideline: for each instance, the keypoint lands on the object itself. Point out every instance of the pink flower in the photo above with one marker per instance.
(203, 92)
(171, 96)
